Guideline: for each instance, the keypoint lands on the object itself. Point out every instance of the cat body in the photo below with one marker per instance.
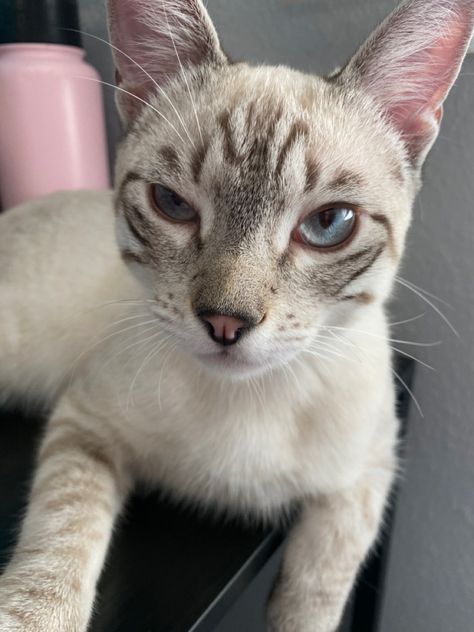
(216, 327)
(245, 448)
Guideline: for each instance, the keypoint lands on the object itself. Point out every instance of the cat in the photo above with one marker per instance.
(233, 348)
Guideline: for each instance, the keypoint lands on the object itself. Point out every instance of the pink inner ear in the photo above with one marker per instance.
(127, 31)
(157, 39)
(416, 89)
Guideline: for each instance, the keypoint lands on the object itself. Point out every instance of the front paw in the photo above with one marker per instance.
(10, 622)
(294, 609)
(26, 606)
(21, 616)
(17, 615)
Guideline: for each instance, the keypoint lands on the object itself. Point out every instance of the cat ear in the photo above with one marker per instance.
(410, 63)
(152, 41)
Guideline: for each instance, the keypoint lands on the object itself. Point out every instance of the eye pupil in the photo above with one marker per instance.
(326, 218)
(328, 228)
(171, 205)
(176, 199)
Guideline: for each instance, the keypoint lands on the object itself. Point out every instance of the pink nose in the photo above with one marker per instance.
(225, 330)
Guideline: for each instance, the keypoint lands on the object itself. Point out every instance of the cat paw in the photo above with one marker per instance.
(288, 611)
(291, 621)
(15, 617)
(9, 623)
(25, 607)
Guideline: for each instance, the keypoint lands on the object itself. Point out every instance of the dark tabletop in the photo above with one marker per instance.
(169, 569)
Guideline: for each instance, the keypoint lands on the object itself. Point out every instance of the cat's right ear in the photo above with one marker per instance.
(152, 41)
(409, 65)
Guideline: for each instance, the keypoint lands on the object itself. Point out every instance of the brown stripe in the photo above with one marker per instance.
(71, 552)
(250, 118)
(313, 171)
(198, 159)
(129, 178)
(65, 500)
(132, 257)
(355, 257)
(169, 155)
(345, 179)
(230, 152)
(397, 173)
(385, 222)
(137, 224)
(364, 298)
(16, 612)
(73, 442)
(266, 124)
(364, 268)
(76, 476)
(298, 130)
(80, 524)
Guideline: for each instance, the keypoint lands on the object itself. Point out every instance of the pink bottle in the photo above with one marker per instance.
(52, 132)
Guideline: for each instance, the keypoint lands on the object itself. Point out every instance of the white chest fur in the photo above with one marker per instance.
(240, 446)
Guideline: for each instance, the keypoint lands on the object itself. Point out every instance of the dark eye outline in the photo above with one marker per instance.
(156, 206)
(297, 236)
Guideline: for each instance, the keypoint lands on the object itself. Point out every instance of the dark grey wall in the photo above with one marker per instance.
(431, 575)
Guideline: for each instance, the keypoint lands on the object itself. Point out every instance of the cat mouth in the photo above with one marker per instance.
(226, 360)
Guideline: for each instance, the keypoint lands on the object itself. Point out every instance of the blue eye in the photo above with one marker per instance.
(171, 205)
(328, 228)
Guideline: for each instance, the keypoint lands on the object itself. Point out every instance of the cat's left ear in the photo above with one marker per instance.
(409, 65)
(153, 41)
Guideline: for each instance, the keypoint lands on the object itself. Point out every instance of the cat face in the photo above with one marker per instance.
(258, 205)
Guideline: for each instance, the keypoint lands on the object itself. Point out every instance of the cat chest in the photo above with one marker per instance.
(254, 463)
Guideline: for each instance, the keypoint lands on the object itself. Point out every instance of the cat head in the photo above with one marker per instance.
(260, 204)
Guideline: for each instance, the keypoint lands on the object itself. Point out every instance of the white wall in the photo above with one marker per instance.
(431, 576)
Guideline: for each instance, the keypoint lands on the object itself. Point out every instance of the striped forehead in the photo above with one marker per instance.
(245, 159)
(260, 160)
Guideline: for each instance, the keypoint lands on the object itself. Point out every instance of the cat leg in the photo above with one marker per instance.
(50, 582)
(324, 552)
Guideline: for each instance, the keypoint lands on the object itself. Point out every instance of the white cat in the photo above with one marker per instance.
(233, 347)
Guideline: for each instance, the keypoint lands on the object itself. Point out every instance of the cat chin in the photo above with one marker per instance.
(228, 366)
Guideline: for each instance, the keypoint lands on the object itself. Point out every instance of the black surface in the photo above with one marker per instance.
(370, 587)
(175, 571)
(39, 21)
(169, 569)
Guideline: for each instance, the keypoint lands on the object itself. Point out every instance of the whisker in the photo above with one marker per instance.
(183, 73)
(396, 341)
(410, 392)
(343, 340)
(286, 375)
(137, 336)
(119, 50)
(137, 343)
(125, 302)
(171, 350)
(412, 357)
(423, 291)
(409, 320)
(327, 348)
(155, 350)
(399, 378)
(431, 304)
(134, 96)
(123, 320)
(318, 355)
(101, 341)
(259, 395)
